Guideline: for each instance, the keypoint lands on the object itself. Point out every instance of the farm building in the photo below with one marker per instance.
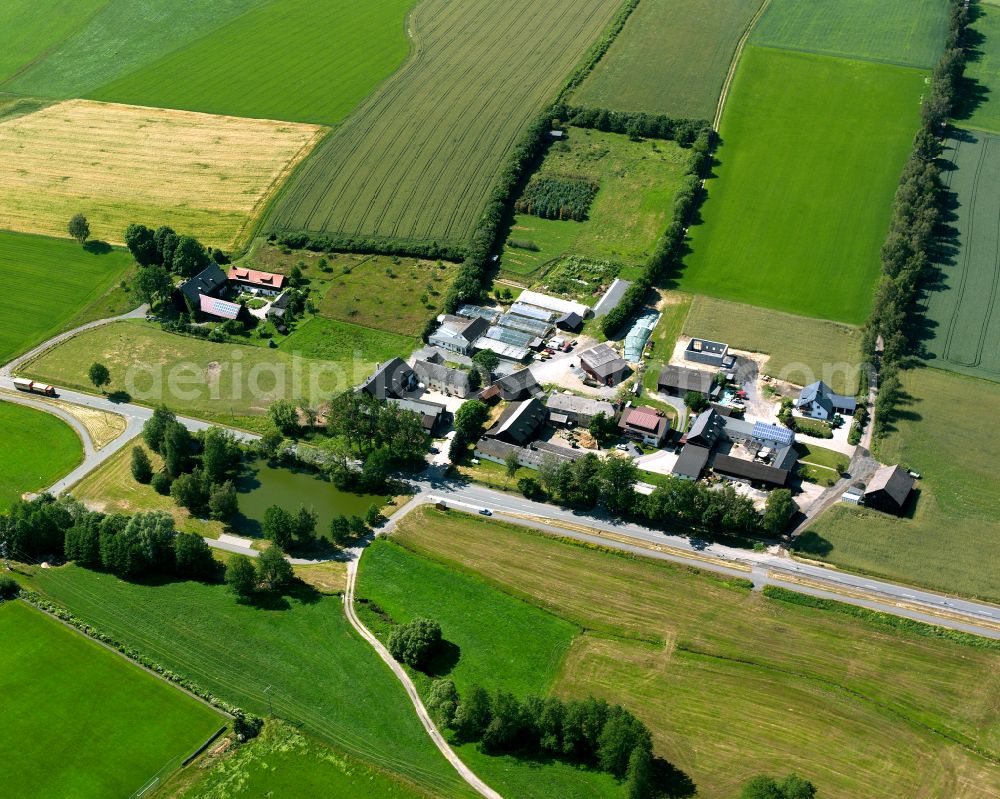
(553, 304)
(519, 422)
(457, 334)
(211, 282)
(257, 282)
(220, 309)
(691, 462)
(570, 322)
(644, 424)
(391, 379)
(442, 378)
(710, 353)
(531, 456)
(611, 297)
(519, 385)
(431, 413)
(755, 472)
(772, 435)
(706, 430)
(511, 352)
(818, 401)
(480, 312)
(677, 381)
(569, 409)
(604, 365)
(889, 490)
(638, 335)
(515, 338)
(531, 312)
(535, 327)
(276, 310)
(855, 495)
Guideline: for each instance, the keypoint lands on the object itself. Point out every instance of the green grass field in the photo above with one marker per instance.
(38, 449)
(982, 71)
(419, 157)
(801, 350)
(76, 281)
(638, 181)
(481, 624)
(322, 60)
(670, 58)
(732, 683)
(322, 675)
(963, 323)
(812, 152)
(73, 47)
(82, 720)
(283, 762)
(949, 544)
(906, 32)
(27, 35)
(228, 383)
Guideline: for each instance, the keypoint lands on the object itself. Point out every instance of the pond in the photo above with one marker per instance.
(262, 485)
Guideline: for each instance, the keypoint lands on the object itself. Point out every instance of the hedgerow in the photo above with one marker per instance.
(246, 724)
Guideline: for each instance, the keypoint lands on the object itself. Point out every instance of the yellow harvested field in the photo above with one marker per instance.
(205, 175)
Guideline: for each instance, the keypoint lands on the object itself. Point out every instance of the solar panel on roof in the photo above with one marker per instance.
(771, 432)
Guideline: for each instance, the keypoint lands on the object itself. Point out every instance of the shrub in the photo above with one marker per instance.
(142, 469)
(161, 483)
(9, 587)
(415, 642)
(558, 197)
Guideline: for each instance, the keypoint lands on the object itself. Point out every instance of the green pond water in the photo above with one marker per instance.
(261, 485)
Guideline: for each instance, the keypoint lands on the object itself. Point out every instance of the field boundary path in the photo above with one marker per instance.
(463, 770)
(735, 62)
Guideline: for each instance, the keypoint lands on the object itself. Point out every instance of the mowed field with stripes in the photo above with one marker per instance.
(418, 159)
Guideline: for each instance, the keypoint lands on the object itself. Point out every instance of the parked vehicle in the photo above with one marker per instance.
(34, 387)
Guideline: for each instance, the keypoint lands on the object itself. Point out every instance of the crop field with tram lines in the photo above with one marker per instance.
(963, 308)
(418, 159)
(670, 58)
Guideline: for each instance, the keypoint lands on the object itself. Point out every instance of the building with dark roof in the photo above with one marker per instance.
(753, 471)
(644, 424)
(391, 379)
(519, 385)
(706, 429)
(677, 381)
(443, 378)
(691, 462)
(889, 490)
(531, 456)
(570, 322)
(772, 435)
(519, 422)
(211, 282)
(818, 401)
(604, 365)
(431, 413)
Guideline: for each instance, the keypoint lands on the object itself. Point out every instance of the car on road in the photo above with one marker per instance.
(485, 512)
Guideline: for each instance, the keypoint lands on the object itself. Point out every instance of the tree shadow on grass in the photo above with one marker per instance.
(97, 247)
(445, 659)
(670, 782)
(812, 543)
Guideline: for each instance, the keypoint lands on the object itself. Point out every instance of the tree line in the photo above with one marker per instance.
(590, 731)
(370, 245)
(917, 211)
(635, 124)
(611, 482)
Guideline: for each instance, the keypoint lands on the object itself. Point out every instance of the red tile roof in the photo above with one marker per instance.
(644, 419)
(266, 280)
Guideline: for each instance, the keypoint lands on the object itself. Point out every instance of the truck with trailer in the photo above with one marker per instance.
(34, 387)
